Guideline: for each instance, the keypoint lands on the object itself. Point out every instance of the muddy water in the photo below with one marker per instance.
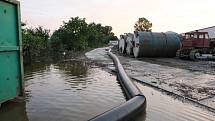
(78, 90)
(163, 107)
(65, 91)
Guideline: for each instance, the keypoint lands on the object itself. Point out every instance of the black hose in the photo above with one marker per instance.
(135, 104)
(125, 81)
(123, 112)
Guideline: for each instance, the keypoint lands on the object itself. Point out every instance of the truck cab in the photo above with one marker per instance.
(196, 40)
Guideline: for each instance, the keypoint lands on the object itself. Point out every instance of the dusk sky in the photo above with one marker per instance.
(166, 15)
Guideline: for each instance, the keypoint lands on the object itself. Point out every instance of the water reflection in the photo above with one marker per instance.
(35, 67)
(73, 67)
(13, 111)
(69, 91)
(75, 73)
(162, 107)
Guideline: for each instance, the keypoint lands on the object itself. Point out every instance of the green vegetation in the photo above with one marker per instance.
(143, 24)
(77, 35)
(35, 41)
(74, 35)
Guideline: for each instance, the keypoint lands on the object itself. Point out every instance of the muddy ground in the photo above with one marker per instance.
(195, 80)
(207, 67)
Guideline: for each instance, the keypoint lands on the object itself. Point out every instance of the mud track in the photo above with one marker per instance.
(195, 80)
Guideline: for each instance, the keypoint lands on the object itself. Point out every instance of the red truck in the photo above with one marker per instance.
(196, 45)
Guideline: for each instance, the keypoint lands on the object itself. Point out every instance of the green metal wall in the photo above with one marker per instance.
(11, 68)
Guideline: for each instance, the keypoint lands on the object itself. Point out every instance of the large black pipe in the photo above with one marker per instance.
(123, 112)
(130, 88)
(135, 104)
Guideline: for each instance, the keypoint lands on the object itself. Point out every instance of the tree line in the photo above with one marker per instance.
(74, 35)
(34, 40)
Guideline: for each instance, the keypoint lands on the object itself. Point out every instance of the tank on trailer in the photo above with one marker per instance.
(122, 44)
(129, 43)
(154, 44)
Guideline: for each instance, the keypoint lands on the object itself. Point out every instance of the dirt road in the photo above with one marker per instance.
(195, 80)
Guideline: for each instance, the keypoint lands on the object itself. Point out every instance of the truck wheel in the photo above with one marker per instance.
(193, 54)
(178, 53)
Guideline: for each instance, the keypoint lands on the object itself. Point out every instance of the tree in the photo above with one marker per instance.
(35, 41)
(143, 25)
(77, 35)
(72, 35)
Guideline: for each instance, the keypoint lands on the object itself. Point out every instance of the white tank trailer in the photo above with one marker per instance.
(129, 43)
(153, 44)
(122, 44)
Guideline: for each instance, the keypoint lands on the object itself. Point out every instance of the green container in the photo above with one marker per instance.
(11, 67)
(154, 44)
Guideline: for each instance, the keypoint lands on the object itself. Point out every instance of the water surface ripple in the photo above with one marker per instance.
(70, 91)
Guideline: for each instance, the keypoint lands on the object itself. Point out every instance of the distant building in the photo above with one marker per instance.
(113, 42)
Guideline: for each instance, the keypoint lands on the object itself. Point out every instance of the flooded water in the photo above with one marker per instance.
(79, 90)
(163, 107)
(65, 91)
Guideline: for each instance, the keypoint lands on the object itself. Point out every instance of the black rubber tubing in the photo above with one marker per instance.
(135, 104)
(130, 88)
